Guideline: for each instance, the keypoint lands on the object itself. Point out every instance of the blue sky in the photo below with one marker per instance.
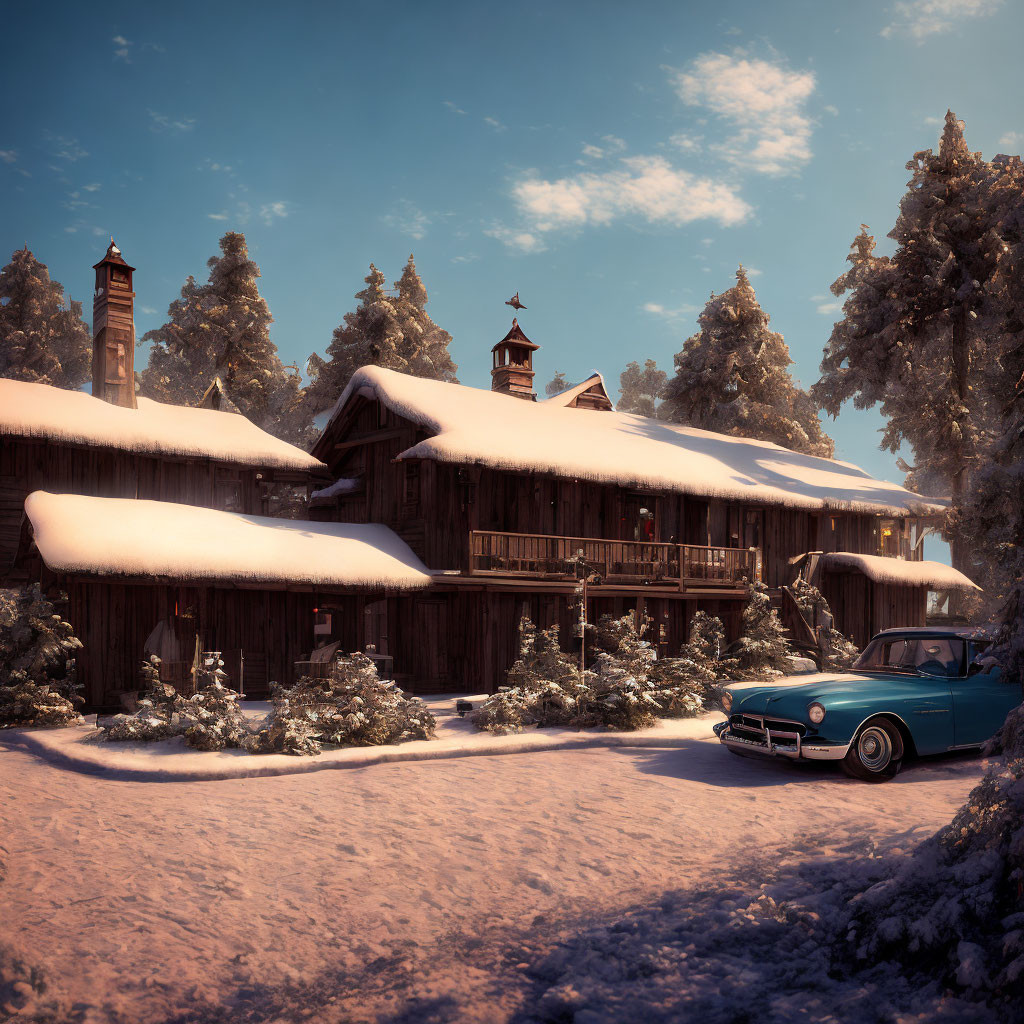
(613, 163)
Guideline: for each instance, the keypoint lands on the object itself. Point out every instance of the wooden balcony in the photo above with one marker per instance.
(616, 561)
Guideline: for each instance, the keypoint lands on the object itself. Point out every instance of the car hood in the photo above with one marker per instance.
(791, 699)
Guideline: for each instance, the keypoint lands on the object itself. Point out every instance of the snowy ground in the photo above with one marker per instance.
(582, 885)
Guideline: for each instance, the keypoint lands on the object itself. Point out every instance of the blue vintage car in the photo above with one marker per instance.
(912, 692)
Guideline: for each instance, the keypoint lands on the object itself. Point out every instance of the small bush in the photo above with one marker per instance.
(627, 688)
(353, 707)
(37, 662)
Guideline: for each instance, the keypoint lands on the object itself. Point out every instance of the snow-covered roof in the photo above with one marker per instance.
(132, 537)
(880, 569)
(54, 414)
(343, 485)
(471, 425)
(563, 398)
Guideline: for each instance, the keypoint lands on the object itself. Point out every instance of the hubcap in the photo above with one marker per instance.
(874, 749)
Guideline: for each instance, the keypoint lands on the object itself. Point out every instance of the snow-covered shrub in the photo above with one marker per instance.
(837, 651)
(762, 650)
(627, 687)
(37, 661)
(214, 719)
(156, 716)
(209, 720)
(352, 707)
(954, 909)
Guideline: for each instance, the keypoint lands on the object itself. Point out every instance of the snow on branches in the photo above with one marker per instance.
(352, 707)
(37, 661)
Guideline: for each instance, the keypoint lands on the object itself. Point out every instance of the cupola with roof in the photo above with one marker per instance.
(512, 371)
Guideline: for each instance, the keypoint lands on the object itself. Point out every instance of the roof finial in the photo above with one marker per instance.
(515, 303)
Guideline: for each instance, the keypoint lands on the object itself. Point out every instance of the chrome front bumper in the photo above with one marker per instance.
(780, 743)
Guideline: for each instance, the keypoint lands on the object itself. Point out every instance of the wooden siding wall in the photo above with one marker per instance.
(447, 501)
(862, 607)
(274, 628)
(467, 641)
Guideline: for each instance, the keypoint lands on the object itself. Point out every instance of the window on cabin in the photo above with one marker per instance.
(890, 537)
(227, 490)
(411, 486)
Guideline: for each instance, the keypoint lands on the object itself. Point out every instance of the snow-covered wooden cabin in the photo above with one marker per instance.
(119, 445)
(497, 494)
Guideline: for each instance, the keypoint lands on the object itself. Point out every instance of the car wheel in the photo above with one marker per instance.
(876, 752)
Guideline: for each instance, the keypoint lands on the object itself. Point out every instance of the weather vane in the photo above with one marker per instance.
(515, 303)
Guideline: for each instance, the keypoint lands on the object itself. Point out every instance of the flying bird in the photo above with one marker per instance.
(515, 303)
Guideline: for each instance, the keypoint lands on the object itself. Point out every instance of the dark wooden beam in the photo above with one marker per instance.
(371, 438)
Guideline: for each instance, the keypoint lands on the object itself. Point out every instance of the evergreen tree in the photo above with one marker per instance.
(393, 331)
(556, 385)
(43, 339)
(38, 685)
(641, 390)
(222, 329)
(732, 377)
(762, 651)
(916, 328)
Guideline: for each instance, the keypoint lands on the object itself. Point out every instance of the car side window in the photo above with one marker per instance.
(940, 656)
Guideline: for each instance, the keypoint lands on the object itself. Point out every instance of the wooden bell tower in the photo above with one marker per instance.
(113, 331)
(512, 372)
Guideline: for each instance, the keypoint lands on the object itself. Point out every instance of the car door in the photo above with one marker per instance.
(924, 702)
(980, 705)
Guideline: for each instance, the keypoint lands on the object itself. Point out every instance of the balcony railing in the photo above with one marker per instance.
(616, 561)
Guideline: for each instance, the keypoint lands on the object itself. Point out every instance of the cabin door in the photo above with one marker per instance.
(375, 626)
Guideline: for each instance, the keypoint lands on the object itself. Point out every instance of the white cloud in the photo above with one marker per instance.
(763, 101)
(148, 310)
(524, 241)
(94, 187)
(826, 305)
(162, 122)
(409, 220)
(687, 143)
(213, 165)
(923, 18)
(273, 211)
(8, 156)
(217, 216)
(592, 151)
(453, 107)
(122, 49)
(831, 108)
(935, 121)
(495, 124)
(671, 314)
(753, 271)
(1012, 140)
(64, 147)
(645, 186)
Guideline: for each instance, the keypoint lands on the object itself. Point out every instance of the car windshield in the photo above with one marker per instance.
(932, 655)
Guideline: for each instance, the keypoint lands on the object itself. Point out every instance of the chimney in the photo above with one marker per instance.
(512, 372)
(113, 331)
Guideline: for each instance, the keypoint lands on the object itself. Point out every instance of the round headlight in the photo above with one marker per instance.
(726, 701)
(815, 712)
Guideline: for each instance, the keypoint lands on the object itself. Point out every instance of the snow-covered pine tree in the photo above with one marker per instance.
(43, 338)
(222, 329)
(556, 385)
(640, 391)
(917, 329)
(393, 331)
(732, 376)
(762, 650)
(700, 657)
